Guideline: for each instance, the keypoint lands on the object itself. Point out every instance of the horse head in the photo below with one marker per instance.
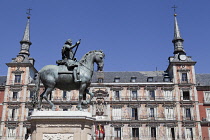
(99, 59)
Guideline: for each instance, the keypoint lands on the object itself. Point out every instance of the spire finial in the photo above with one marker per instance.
(28, 12)
(174, 7)
(178, 40)
(25, 42)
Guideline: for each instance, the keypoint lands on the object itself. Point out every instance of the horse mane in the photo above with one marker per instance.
(84, 58)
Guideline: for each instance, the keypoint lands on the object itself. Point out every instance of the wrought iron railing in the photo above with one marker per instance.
(143, 117)
(13, 82)
(143, 98)
(187, 98)
(188, 118)
(185, 81)
(14, 99)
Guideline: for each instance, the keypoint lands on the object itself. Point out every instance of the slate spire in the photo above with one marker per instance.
(178, 40)
(25, 42)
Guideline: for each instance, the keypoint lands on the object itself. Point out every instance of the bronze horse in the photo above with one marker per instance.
(53, 76)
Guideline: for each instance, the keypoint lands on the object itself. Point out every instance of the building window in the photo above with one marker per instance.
(150, 79)
(117, 95)
(152, 94)
(100, 80)
(133, 79)
(14, 96)
(135, 133)
(166, 79)
(189, 133)
(17, 78)
(65, 109)
(116, 113)
(134, 94)
(208, 114)
(134, 114)
(31, 94)
(13, 113)
(169, 113)
(117, 133)
(188, 113)
(64, 95)
(186, 95)
(152, 113)
(11, 132)
(153, 132)
(184, 77)
(207, 97)
(172, 133)
(168, 95)
(117, 79)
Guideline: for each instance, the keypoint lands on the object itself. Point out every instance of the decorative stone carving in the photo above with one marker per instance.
(17, 71)
(57, 137)
(100, 106)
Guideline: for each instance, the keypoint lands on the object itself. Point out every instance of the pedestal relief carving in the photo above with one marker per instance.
(57, 136)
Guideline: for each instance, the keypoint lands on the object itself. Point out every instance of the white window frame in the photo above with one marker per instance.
(208, 114)
(187, 137)
(206, 97)
(168, 95)
(132, 97)
(169, 113)
(149, 113)
(116, 113)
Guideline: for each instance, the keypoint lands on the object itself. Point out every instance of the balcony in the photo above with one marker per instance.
(185, 81)
(10, 119)
(189, 118)
(205, 121)
(143, 118)
(14, 99)
(187, 98)
(140, 137)
(143, 98)
(13, 82)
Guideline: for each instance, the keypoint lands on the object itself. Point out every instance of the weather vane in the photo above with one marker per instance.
(28, 12)
(174, 7)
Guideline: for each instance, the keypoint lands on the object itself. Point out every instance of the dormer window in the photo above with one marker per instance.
(100, 80)
(166, 79)
(133, 79)
(117, 79)
(150, 79)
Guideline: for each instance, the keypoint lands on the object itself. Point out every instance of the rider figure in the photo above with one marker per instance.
(68, 57)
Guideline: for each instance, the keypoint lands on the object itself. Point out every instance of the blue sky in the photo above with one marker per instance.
(135, 35)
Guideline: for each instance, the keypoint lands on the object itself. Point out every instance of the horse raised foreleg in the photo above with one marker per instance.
(91, 97)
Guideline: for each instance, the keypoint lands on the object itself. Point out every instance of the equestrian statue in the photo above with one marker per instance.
(69, 74)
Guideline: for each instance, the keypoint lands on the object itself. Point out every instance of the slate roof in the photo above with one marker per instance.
(203, 79)
(3, 80)
(141, 77)
(125, 77)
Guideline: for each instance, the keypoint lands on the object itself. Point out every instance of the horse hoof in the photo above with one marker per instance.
(53, 108)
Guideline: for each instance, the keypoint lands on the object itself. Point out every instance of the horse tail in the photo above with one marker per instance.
(37, 87)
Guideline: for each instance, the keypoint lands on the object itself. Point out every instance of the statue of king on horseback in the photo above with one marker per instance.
(69, 74)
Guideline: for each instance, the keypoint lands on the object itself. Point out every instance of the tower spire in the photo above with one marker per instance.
(25, 42)
(178, 40)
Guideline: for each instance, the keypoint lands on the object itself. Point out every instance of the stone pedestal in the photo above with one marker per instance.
(61, 125)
